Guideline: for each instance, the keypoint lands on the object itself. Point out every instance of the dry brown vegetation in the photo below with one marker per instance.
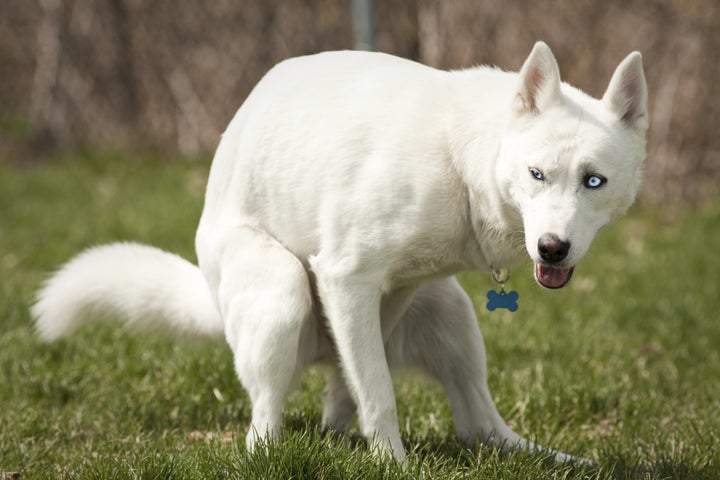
(169, 75)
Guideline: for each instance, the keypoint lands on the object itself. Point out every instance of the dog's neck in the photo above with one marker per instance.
(497, 230)
(475, 133)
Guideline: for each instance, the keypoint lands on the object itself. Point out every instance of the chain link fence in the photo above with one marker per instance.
(169, 75)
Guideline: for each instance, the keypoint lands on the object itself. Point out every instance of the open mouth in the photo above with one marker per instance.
(553, 277)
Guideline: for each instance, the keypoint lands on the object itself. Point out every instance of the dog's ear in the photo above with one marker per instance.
(539, 81)
(627, 93)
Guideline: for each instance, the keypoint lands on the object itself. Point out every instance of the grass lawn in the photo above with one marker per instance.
(622, 366)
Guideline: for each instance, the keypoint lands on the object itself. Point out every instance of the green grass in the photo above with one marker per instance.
(623, 366)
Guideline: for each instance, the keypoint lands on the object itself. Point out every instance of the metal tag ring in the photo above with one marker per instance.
(501, 275)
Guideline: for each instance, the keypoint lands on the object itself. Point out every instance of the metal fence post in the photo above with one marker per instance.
(363, 25)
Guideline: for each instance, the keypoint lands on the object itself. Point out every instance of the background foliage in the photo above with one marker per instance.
(169, 75)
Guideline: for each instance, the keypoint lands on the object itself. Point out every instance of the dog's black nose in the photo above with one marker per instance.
(552, 249)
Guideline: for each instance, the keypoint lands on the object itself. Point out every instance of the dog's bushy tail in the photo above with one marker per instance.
(142, 286)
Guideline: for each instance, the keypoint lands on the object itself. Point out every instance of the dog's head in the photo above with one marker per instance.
(570, 163)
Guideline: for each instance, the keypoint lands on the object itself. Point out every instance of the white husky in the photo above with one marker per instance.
(344, 195)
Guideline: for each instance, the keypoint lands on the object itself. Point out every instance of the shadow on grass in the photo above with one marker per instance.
(624, 468)
(444, 456)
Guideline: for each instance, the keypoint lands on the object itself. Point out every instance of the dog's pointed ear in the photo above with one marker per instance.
(626, 95)
(539, 81)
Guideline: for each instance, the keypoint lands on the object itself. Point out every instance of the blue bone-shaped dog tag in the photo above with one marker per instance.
(502, 299)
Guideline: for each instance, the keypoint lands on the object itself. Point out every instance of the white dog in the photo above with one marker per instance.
(344, 195)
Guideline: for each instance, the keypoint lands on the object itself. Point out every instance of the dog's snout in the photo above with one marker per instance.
(552, 248)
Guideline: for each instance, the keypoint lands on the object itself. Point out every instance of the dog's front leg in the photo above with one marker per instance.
(440, 334)
(351, 304)
(339, 407)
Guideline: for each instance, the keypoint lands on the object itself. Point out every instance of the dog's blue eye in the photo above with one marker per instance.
(537, 174)
(594, 181)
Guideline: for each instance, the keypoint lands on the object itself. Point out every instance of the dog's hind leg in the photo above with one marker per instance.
(264, 297)
(439, 334)
(338, 406)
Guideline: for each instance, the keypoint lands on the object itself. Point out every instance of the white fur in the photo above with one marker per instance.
(142, 285)
(344, 194)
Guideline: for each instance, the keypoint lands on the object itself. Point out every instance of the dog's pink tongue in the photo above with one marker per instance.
(551, 277)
